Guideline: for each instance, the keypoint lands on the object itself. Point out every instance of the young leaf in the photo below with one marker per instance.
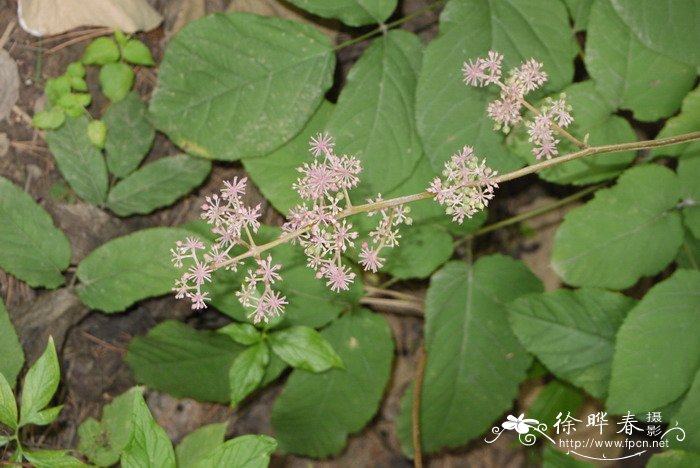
(8, 405)
(689, 174)
(50, 119)
(450, 114)
(130, 135)
(277, 73)
(112, 276)
(75, 70)
(304, 348)
(248, 451)
(10, 348)
(103, 441)
(97, 133)
(101, 51)
(605, 243)
(184, 362)
(628, 73)
(42, 252)
(74, 102)
(149, 444)
(52, 459)
(79, 161)
(688, 120)
(380, 89)
(666, 322)
(40, 384)
(157, 184)
(242, 333)
(352, 394)
(557, 325)
(57, 87)
(78, 84)
(135, 51)
(350, 12)
(116, 80)
(466, 316)
(247, 371)
(197, 445)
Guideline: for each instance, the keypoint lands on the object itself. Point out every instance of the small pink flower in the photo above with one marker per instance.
(268, 271)
(474, 73)
(369, 258)
(530, 75)
(321, 144)
(339, 277)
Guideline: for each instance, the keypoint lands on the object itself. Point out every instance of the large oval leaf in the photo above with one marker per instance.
(374, 118)
(558, 325)
(449, 114)
(658, 346)
(79, 161)
(605, 243)
(128, 269)
(315, 412)
(628, 73)
(350, 12)
(474, 362)
(239, 85)
(33, 249)
(688, 120)
(129, 135)
(157, 184)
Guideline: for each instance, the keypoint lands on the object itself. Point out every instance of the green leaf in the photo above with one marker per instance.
(50, 119)
(277, 72)
(78, 84)
(40, 385)
(52, 459)
(4, 440)
(466, 316)
(557, 325)
(301, 414)
(449, 114)
(130, 135)
(649, 20)
(275, 173)
(97, 133)
(689, 174)
(149, 445)
(674, 459)
(553, 458)
(116, 80)
(199, 444)
(555, 397)
(135, 51)
(45, 417)
(103, 441)
(57, 87)
(350, 12)
(130, 268)
(242, 333)
(157, 184)
(374, 118)
(120, 37)
(657, 353)
(311, 302)
(629, 74)
(688, 417)
(184, 362)
(247, 371)
(8, 405)
(34, 250)
(101, 51)
(75, 70)
(579, 10)
(80, 163)
(605, 243)
(248, 451)
(688, 120)
(304, 348)
(10, 348)
(595, 117)
(689, 253)
(74, 101)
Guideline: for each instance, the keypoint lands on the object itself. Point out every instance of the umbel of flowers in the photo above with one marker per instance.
(554, 115)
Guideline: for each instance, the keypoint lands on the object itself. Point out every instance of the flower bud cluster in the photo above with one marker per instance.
(541, 129)
(385, 235)
(467, 187)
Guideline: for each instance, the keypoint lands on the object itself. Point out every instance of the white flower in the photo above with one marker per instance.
(521, 425)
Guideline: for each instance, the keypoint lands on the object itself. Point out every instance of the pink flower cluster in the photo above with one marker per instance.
(505, 111)
(467, 187)
(234, 224)
(324, 185)
(541, 129)
(385, 234)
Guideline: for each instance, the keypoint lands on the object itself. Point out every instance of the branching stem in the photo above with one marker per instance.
(392, 202)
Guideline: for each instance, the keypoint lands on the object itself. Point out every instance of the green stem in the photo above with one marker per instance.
(590, 151)
(384, 27)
